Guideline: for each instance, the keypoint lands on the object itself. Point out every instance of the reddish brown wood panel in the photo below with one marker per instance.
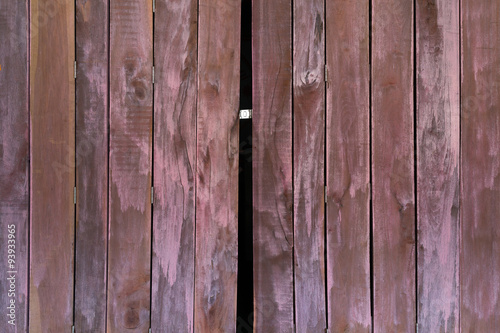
(272, 165)
(174, 165)
(348, 166)
(52, 109)
(91, 165)
(438, 140)
(480, 167)
(308, 164)
(14, 164)
(217, 166)
(393, 197)
(131, 111)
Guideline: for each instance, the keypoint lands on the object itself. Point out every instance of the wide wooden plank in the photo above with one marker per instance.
(393, 196)
(14, 164)
(131, 111)
(272, 165)
(438, 140)
(91, 165)
(308, 164)
(52, 109)
(348, 166)
(217, 166)
(175, 95)
(480, 167)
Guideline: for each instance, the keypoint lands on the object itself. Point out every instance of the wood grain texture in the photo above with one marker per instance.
(92, 21)
(174, 163)
(217, 166)
(131, 111)
(480, 167)
(348, 166)
(272, 166)
(393, 197)
(308, 164)
(14, 164)
(438, 140)
(52, 109)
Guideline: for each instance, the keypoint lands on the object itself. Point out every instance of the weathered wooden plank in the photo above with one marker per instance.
(308, 164)
(174, 162)
(217, 166)
(92, 21)
(52, 109)
(393, 197)
(14, 164)
(480, 167)
(438, 140)
(348, 166)
(131, 92)
(272, 165)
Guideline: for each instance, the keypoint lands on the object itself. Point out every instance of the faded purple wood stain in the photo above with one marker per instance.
(438, 112)
(272, 166)
(91, 165)
(393, 197)
(217, 166)
(308, 162)
(52, 127)
(480, 167)
(131, 111)
(174, 166)
(14, 163)
(348, 166)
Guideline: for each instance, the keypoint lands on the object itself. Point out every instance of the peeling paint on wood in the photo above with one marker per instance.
(174, 166)
(438, 133)
(131, 111)
(272, 166)
(480, 167)
(91, 165)
(348, 166)
(308, 165)
(393, 197)
(217, 166)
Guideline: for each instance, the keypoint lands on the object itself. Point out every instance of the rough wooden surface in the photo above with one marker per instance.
(348, 166)
(438, 140)
(272, 166)
(217, 166)
(480, 167)
(393, 197)
(14, 164)
(174, 166)
(52, 109)
(308, 164)
(131, 92)
(91, 165)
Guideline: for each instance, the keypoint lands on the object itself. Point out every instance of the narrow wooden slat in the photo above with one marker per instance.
(480, 167)
(174, 163)
(52, 109)
(217, 166)
(272, 165)
(14, 163)
(308, 162)
(393, 185)
(131, 92)
(348, 166)
(438, 136)
(91, 165)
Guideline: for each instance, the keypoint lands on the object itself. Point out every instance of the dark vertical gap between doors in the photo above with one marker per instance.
(152, 173)
(245, 304)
